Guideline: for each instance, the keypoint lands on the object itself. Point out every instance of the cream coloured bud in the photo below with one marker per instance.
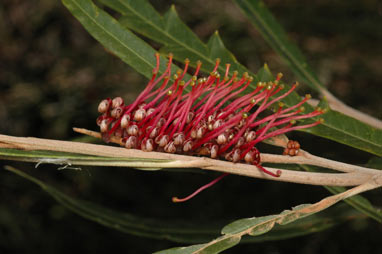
(250, 136)
(103, 106)
(249, 157)
(131, 142)
(214, 151)
(149, 145)
(139, 114)
(117, 102)
(162, 140)
(104, 126)
(240, 142)
(222, 139)
(116, 112)
(193, 133)
(190, 116)
(217, 124)
(132, 130)
(125, 121)
(236, 155)
(187, 146)
(179, 138)
(170, 148)
(200, 132)
(154, 132)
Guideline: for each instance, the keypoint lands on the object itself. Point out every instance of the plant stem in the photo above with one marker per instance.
(355, 176)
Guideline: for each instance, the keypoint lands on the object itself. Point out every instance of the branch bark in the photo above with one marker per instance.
(354, 175)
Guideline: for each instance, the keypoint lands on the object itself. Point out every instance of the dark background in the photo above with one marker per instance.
(53, 75)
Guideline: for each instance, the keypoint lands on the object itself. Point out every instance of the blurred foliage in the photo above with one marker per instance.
(53, 74)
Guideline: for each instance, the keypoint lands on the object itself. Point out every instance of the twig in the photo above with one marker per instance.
(303, 158)
(181, 161)
(339, 106)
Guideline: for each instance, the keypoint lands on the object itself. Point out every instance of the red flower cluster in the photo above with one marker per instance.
(213, 119)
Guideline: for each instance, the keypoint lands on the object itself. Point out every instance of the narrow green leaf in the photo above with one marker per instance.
(183, 43)
(188, 233)
(233, 232)
(217, 49)
(358, 202)
(375, 162)
(170, 31)
(349, 131)
(248, 224)
(118, 40)
(67, 160)
(264, 74)
(125, 222)
(277, 38)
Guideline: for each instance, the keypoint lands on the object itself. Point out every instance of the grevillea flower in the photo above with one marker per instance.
(213, 118)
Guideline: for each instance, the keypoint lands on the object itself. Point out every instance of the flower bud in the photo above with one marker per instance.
(116, 112)
(150, 111)
(125, 121)
(154, 132)
(161, 122)
(222, 139)
(170, 148)
(131, 142)
(214, 151)
(103, 106)
(236, 155)
(139, 114)
(132, 130)
(162, 140)
(190, 116)
(250, 136)
(104, 126)
(200, 132)
(148, 145)
(178, 138)
(117, 102)
(217, 124)
(187, 146)
(240, 142)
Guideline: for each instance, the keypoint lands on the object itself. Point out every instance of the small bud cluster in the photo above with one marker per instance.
(292, 149)
(213, 119)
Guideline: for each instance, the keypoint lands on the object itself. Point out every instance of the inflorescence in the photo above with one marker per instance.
(213, 118)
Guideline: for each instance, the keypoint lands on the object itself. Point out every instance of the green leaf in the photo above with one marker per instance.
(358, 202)
(232, 233)
(175, 231)
(66, 160)
(127, 223)
(338, 127)
(176, 36)
(112, 35)
(349, 131)
(179, 39)
(277, 38)
(375, 162)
